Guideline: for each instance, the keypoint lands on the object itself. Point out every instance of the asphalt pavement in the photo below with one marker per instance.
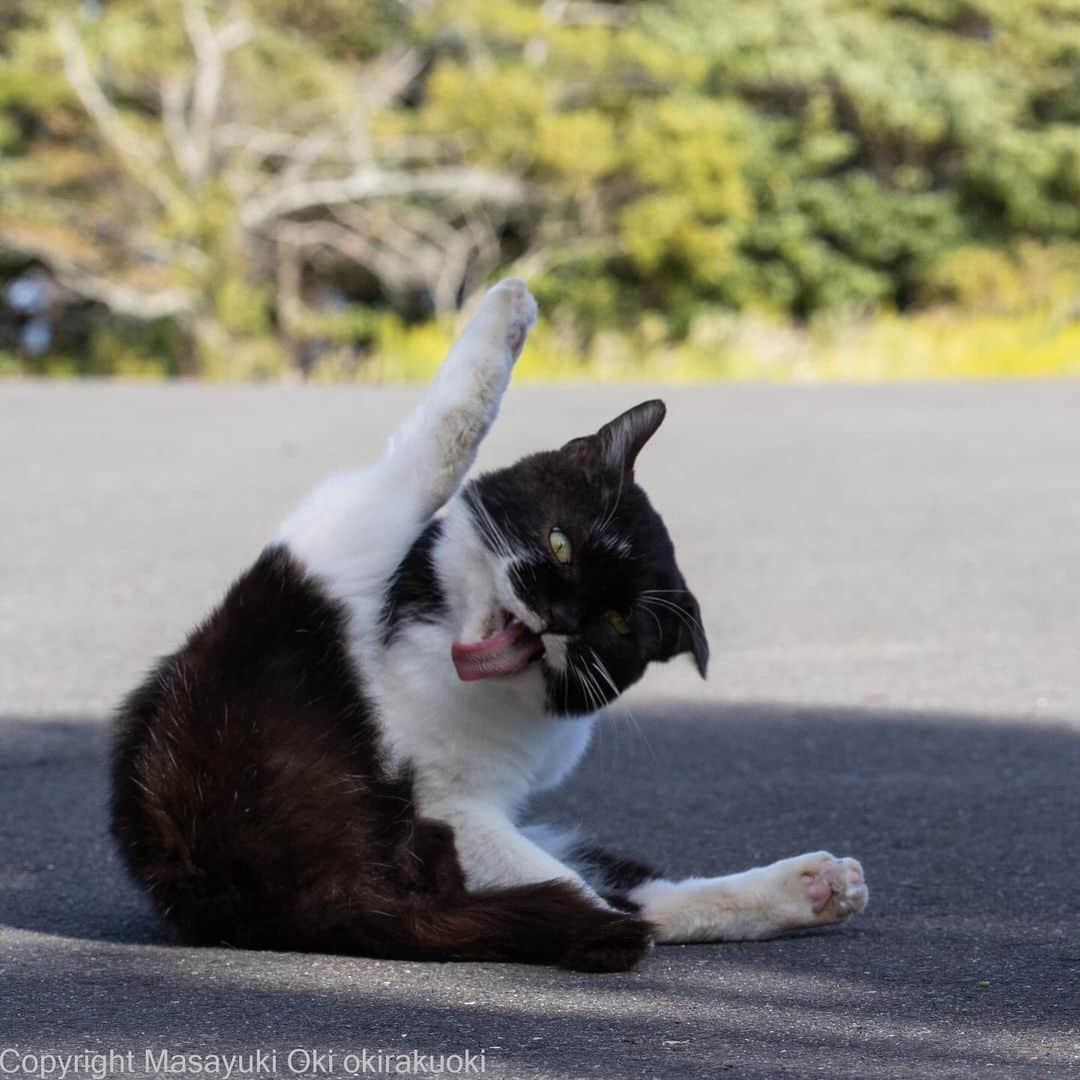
(890, 577)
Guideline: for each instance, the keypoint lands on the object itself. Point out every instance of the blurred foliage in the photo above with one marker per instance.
(693, 188)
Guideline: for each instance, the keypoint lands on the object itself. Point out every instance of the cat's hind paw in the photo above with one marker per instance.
(817, 889)
(834, 888)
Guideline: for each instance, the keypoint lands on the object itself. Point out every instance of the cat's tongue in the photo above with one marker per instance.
(501, 653)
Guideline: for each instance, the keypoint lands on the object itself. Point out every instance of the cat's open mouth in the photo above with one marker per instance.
(504, 651)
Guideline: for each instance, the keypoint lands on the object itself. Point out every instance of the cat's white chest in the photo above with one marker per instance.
(487, 741)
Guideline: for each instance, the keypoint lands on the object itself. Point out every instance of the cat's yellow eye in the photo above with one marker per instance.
(559, 543)
(618, 623)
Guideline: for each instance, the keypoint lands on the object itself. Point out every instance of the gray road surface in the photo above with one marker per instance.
(891, 581)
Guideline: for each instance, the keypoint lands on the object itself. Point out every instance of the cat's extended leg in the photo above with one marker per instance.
(547, 923)
(613, 876)
(365, 520)
(500, 916)
(808, 890)
(495, 853)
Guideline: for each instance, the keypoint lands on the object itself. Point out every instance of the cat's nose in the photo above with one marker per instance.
(564, 618)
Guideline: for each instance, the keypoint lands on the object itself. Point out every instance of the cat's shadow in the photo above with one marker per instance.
(954, 817)
(934, 805)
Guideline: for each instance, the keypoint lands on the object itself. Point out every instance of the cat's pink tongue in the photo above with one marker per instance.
(502, 653)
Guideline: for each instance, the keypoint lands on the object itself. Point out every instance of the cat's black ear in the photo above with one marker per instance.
(693, 632)
(617, 444)
(678, 619)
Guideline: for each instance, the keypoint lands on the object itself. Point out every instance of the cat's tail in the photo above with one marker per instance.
(548, 923)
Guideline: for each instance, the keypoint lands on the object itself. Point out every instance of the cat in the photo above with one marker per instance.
(336, 759)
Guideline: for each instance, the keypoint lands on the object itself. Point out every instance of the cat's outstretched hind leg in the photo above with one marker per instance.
(815, 889)
(357, 526)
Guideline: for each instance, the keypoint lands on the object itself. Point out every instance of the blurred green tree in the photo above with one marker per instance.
(194, 163)
(238, 185)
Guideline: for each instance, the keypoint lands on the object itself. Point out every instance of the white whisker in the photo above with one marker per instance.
(652, 615)
(594, 693)
(683, 614)
(602, 668)
(488, 526)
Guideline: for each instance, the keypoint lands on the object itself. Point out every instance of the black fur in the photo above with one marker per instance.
(249, 798)
(249, 801)
(587, 490)
(613, 876)
(612, 873)
(414, 591)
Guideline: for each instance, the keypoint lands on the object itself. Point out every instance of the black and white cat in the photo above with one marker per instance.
(336, 758)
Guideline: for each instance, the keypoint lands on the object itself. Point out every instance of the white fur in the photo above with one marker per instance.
(477, 750)
(807, 890)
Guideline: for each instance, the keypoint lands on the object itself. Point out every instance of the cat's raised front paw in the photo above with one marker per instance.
(506, 312)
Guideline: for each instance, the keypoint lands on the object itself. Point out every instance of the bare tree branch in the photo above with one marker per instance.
(174, 96)
(374, 183)
(210, 47)
(451, 273)
(390, 77)
(387, 265)
(123, 299)
(304, 153)
(401, 208)
(257, 141)
(408, 230)
(138, 160)
(583, 13)
(486, 255)
(431, 253)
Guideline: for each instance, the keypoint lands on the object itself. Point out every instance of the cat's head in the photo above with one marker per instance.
(583, 570)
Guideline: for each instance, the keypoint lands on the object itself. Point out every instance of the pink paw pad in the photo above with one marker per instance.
(515, 336)
(521, 314)
(834, 882)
